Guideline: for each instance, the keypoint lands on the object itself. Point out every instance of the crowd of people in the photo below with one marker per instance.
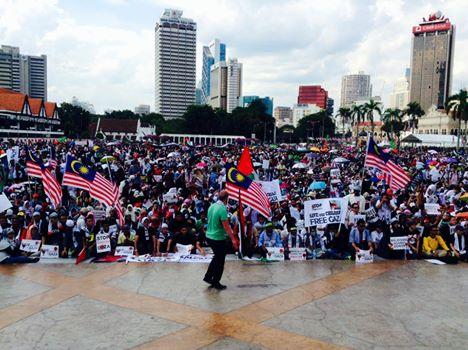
(166, 190)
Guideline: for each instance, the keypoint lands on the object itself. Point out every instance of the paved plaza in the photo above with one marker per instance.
(290, 305)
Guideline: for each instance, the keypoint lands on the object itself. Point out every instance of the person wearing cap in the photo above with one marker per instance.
(164, 240)
(269, 238)
(217, 231)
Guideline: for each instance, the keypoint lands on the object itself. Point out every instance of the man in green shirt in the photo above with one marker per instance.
(216, 233)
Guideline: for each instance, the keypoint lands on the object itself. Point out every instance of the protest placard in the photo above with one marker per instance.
(99, 214)
(102, 243)
(170, 196)
(123, 251)
(5, 203)
(364, 257)
(335, 173)
(49, 251)
(399, 243)
(324, 211)
(295, 213)
(265, 164)
(297, 254)
(432, 208)
(371, 215)
(358, 217)
(184, 249)
(157, 178)
(275, 254)
(272, 189)
(30, 245)
(193, 258)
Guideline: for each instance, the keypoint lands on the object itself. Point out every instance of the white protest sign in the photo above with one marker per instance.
(371, 214)
(99, 214)
(157, 178)
(50, 251)
(265, 164)
(30, 245)
(364, 257)
(358, 217)
(324, 211)
(13, 154)
(170, 196)
(432, 208)
(272, 189)
(102, 243)
(335, 173)
(295, 213)
(192, 258)
(184, 249)
(297, 254)
(5, 203)
(123, 251)
(399, 243)
(275, 253)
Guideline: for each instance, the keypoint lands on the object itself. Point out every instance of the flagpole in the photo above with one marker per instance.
(240, 225)
(363, 166)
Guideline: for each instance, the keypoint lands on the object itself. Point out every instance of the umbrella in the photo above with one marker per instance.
(431, 151)
(449, 160)
(201, 165)
(113, 143)
(257, 164)
(317, 185)
(107, 159)
(315, 149)
(340, 160)
(326, 169)
(299, 166)
(464, 197)
(463, 215)
(173, 154)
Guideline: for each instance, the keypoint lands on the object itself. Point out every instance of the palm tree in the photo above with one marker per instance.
(357, 117)
(457, 105)
(369, 109)
(345, 114)
(393, 122)
(414, 112)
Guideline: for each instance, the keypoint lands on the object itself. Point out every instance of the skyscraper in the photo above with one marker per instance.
(175, 63)
(212, 54)
(399, 98)
(267, 102)
(355, 87)
(23, 73)
(218, 85)
(234, 84)
(432, 61)
(313, 94)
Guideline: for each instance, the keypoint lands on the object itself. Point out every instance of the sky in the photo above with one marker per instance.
(102, 51)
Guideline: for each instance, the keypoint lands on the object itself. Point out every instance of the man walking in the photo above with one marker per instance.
(217, 231)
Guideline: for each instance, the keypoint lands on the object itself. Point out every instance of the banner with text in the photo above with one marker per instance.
(324, 211)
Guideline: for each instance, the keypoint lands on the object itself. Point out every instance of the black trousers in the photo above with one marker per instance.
(216, 267)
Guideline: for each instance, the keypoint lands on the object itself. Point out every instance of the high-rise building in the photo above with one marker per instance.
(175, 63)
(355, 87)
(218, 85)
(432, 61)
(283, 116)
(399, 98)
(142, 109)
(212, 54)
(234, 84)
(330, 106)
(301, 110)
(23, 73)
(313, 94)
(267, 102)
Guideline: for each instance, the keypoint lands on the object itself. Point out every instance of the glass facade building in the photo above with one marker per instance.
(267, 101)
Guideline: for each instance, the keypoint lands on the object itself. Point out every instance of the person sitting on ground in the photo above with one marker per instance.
(434, 245)
(458, 244)
(126, 236)
(360, 238)
(145, 240)
(269, 238)
(164, 240)
(184, 237)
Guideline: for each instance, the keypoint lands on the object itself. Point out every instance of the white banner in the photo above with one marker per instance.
(335, 173)
(102, 243)
(265, 164)
(364, 257)
(184, 249)
(123, 251)
(5, 203)
(275, 254)
(432, 208)
(358, 217)
(272, 189)
(30, 245)
(99, 214)
(192, 258)
(399, 243)
(371, 214)
(50, 251)
(295, 213)
(324, 211)
(297, 254)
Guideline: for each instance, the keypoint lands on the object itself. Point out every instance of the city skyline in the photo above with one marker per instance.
(103, 52)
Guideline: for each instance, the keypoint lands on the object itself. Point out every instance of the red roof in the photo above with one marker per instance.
(50, 108)
(35, 104)
(12, 102)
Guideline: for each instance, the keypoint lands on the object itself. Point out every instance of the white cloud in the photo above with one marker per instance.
(281, 43)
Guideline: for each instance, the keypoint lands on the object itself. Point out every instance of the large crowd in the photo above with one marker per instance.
(166, 189)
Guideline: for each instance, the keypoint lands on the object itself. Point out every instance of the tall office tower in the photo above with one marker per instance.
(283, 115)
(218, 50)
(355, 87)
(399, 97)
(175, 63)
(432, 61)
(142, 109)
(10, 76)
(218, 86)
(234, 84)
(267, 102)
(313, 94)
(34, 76)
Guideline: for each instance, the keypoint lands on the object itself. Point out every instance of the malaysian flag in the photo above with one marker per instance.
(36, 168)
(377, 158)
(52, 158)
(250, 192)
(80, 176)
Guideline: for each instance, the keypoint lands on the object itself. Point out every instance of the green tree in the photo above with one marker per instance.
(124, 114)
(370, 108)
(201, 119)
(315, 125)
(345, 114)
(75, 120)
(393, 122)
(457, 106)
(357, 117)
(286, 133)
(154, 119)
(414, 112)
